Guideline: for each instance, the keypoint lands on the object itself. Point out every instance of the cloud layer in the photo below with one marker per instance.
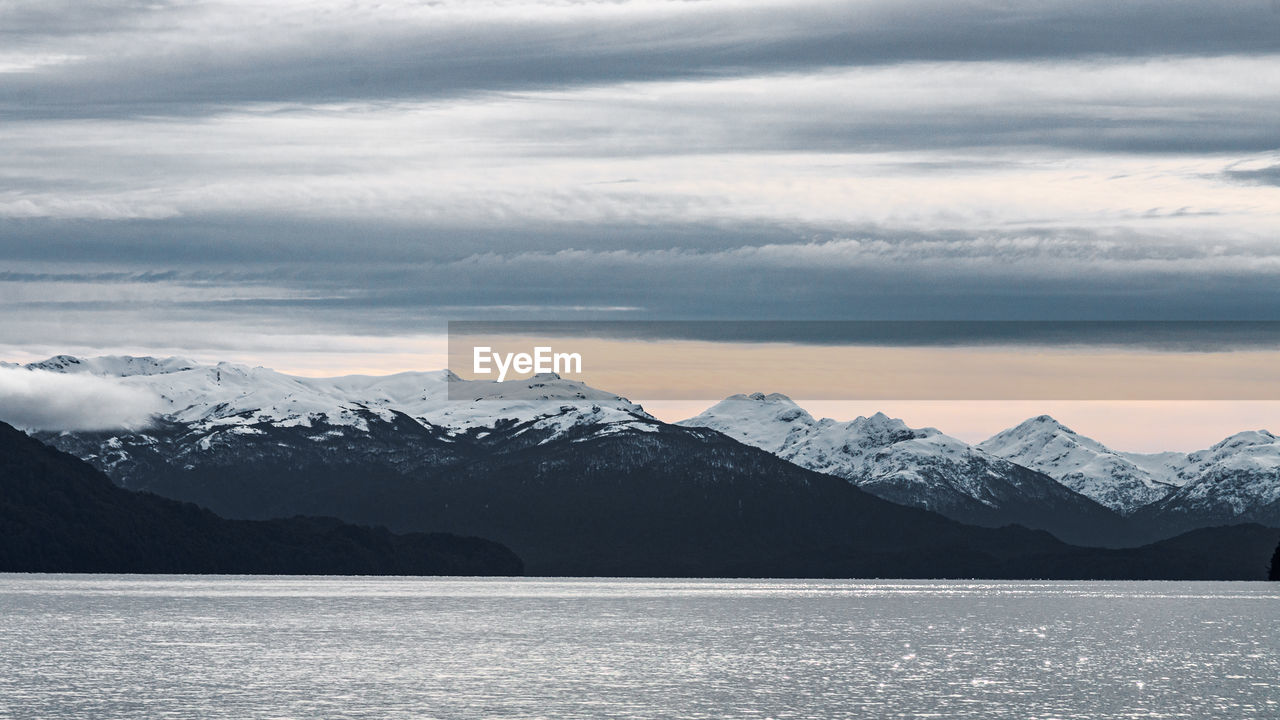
(179, 175)
(144, 58)
(42, 400)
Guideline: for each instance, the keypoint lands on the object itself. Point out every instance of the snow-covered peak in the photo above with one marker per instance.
(1251, 451)
(1041, 426)
(1240, 473)
(113, 365)
(916, 466)
(775, 423)
(228, 394)
(1117, 480)
(1029, 437)
(480, 403)
(544, 386)
(765, 403)
(770, 422)
(880, 429)
(771, 398)
(1246, 438)
(1237, 477)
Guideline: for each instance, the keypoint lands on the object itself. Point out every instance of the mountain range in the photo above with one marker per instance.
(1236, 480)
(1121, 481)
(1039, 473)
(428, 451)
(917, 467)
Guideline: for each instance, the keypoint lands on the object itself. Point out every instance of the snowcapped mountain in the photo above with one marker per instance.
(1236, 480)
(225, 415)
(227, 394)
(576, 481)
(918, 467)
(113, 365)
(1248, 453)
(225, 424)
(770, 422)
(1123, 482)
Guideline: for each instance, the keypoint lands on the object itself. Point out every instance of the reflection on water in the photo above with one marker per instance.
(254, 647)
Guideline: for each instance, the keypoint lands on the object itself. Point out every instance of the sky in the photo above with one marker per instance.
(319, 186)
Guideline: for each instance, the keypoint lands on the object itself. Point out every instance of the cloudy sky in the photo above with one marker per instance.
(319, 185)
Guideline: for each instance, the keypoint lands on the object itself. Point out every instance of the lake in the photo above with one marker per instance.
(302, 647)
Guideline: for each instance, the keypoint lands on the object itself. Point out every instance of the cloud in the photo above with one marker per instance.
(1256, 176)
(734, 272)
(1177, 337)
(936, 146)
(207, 175)
(162, 58)
(42, 400)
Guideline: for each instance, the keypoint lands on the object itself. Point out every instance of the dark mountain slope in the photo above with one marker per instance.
(58, 514)
(668, 501)
(1233, 552)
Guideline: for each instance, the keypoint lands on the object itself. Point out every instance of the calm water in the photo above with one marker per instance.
(237, 647)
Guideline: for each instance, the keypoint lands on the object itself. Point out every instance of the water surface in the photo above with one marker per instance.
(271, 647)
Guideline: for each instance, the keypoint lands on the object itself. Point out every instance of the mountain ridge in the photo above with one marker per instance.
(1235, 480)
(734, 511)
(1081, 463)
(919, 467)
(219, 417)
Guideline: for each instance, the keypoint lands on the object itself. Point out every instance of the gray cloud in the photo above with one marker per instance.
(178, 59)
(1178, 336)
(192, 175)
(1257, 176)
(511, 160)
(35, 19)
(397, 289)
(42, 400)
